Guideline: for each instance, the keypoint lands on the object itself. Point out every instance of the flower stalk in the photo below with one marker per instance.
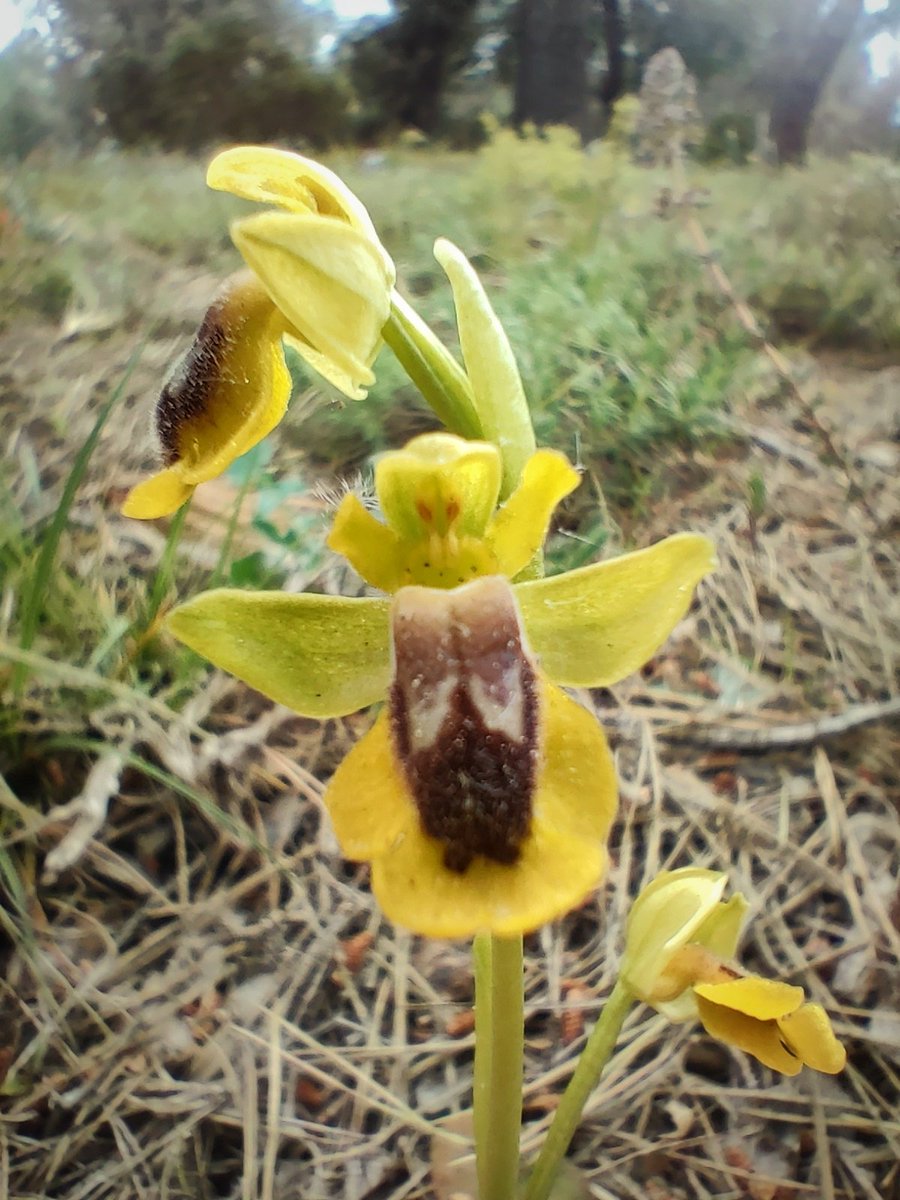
(590, 1067)
(499, 1050)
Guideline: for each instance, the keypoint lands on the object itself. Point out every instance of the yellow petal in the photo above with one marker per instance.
(764, 999)
(759, 1038)
(809, 1034)
(721, 930)
(327, 279)
(577, 790)
(594, 626)
(289, 181)
(554, 873)
(327, 368)
(373, 550)
(323, 656)
(252, 397)
(157, 496)
(562, 857)
(491, 366)
(367, 798)
(520, 527)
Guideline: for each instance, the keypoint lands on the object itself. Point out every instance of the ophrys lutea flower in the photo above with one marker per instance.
(319, 280)
(680, 938)
(482, 795)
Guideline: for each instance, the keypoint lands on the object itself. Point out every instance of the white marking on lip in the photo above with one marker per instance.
(426, 714)
(508, 718)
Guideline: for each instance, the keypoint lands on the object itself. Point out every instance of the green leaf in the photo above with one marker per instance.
(323, 656)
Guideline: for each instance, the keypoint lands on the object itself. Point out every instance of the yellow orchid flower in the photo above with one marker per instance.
(226, 394)
(319, 259)
(679, 934)
(482, 795)
(321, 281)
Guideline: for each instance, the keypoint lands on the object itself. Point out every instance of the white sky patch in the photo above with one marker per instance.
(352, 10)
(884, 54)
(12, 20)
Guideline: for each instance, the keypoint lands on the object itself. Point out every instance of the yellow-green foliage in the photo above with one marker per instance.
(622, 126)
(815, 250)
(550, 160)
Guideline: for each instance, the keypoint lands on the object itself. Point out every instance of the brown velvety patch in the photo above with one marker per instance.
(464, 718)
(186, 393)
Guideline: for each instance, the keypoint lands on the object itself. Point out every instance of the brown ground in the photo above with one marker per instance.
(206, 1001)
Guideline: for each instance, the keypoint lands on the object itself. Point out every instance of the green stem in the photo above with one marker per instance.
(590, 1067)
(499, 1050)
(432, 368)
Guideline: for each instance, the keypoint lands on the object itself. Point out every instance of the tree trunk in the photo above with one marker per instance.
(810, 62)
(552, 47)
(613, 83)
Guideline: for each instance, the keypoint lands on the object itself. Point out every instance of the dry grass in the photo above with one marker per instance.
(199, 997)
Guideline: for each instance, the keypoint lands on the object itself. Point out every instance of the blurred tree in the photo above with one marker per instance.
(613, 82)
(552, 45)
(183, 73)
(401, 68)
(810, 39)
(26, 97)
(712, 36)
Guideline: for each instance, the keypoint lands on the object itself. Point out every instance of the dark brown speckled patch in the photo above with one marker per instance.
(186, 394)
(464, 716)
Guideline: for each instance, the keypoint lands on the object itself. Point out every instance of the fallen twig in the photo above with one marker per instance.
(732, 736)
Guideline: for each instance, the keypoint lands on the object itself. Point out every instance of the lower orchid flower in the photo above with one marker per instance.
(483, 795)
(679, 938)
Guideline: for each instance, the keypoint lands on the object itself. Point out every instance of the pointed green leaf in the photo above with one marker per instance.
(594, 626)
(322, 656)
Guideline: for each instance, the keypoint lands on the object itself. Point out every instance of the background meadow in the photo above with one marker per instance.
(199, 998)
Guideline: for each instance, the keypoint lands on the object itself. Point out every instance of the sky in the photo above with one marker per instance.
(11, 18)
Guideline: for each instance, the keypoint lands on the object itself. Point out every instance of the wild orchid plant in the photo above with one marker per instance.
(483, 795)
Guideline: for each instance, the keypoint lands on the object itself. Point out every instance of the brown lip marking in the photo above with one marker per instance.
(186, 394)
(463, 710)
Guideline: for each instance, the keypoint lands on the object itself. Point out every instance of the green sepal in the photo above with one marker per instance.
(594, 626)
(497, 390)
(323, 656)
